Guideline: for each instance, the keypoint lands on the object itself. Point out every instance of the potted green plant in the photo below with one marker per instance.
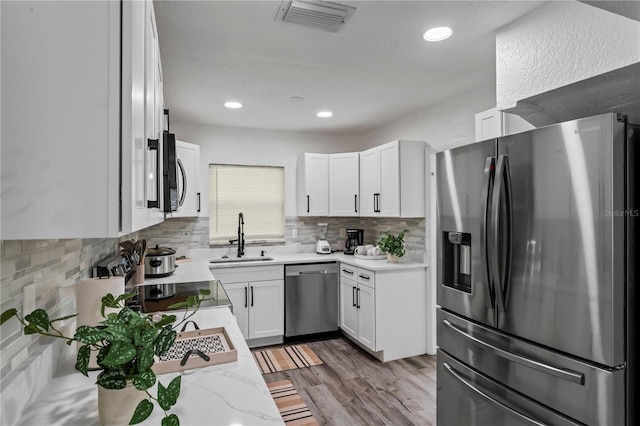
(126, 343)
(392, 244)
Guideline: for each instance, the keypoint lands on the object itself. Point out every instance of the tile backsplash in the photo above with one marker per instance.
(51, 263)
(190, 233)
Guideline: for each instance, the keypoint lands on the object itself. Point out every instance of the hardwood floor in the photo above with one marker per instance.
(353, 388)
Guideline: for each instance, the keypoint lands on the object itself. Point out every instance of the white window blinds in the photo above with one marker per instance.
(255, 191)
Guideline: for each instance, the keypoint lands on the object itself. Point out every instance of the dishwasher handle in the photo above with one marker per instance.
(313, 272)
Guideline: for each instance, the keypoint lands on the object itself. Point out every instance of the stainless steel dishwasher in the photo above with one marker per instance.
(311, 299)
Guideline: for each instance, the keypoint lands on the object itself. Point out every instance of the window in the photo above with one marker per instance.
(255, 191)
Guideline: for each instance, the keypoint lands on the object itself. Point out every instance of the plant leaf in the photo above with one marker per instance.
(125, 314)
(31, 329)
(89, 335)
(125, 296)
(178, 305)
(119, 353)
(112, 379)
(119, 332)
(145, 358)
(64, 318)
(168, 396)
(144, 380)
(192, 300)
(174, 389)
(205, 291)
(40, 318)
(7, 314)
(171, 420)
(167, 319)
(165, 340)
(82, 361)
(143, 410)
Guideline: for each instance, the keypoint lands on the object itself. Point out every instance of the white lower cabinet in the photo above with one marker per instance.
(385, 311)
(357, 307)
(257, 295)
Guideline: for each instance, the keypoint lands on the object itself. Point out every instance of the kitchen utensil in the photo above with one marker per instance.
(322, 246)
(160, 262)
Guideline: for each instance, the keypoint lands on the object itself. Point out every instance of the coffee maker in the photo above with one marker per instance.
(355, 238)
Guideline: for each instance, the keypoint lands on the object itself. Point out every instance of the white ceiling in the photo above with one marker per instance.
(376, 70)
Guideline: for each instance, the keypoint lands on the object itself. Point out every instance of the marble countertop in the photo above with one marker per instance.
(199, 267)
(226, 394)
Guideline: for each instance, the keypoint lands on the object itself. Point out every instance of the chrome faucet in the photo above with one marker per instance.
(240, 235)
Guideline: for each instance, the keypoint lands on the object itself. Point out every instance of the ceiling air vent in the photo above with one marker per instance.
(320, 15)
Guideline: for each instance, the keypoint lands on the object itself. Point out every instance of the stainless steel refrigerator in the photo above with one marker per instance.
(537, 277)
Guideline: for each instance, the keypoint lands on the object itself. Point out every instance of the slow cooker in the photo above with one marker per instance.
(159, 262)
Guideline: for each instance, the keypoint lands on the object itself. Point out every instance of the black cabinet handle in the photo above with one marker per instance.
(307, 204)
(353, 296)
(364, 277)
(356, 202)
(251, 295)
(346, 271)
(358, 298)
(153, 145)
(376, 202)
(198, 202)
(246, 298)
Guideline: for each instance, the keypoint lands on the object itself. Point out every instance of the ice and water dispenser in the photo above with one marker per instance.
(456, 255)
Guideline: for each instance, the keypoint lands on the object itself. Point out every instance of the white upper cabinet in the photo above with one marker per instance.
(313, 184)
(73, 106)
(344, 184)
(392, 180)
(188, 159)
(494, 123)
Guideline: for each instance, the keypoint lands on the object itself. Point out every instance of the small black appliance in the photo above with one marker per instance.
(355, 238)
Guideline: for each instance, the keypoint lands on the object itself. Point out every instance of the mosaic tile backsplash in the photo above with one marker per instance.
(51, 263)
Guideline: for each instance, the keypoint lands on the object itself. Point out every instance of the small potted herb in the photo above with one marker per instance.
(126, 343)
(393, 245)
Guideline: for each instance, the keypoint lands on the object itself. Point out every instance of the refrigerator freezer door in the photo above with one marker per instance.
(566, 287)
(468, 398)
(465, 177)
(580, 391)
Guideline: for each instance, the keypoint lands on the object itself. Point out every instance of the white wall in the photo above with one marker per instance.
(450, 123)
(558, 44)
(232, 145)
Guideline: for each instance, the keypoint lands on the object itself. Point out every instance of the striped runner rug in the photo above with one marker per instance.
(285, 358)
(292, 408)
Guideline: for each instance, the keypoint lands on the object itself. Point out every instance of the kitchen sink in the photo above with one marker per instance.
(240, 259)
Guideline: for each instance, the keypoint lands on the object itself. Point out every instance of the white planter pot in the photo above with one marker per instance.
(116, 406)
(392, 259)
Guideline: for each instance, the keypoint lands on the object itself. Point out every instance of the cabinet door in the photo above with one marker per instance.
(239, 295)
(369, 187)
(389, 169)
(366, 316)
(188, 179)
(153, 163)
(488, 124)
(134, 147)
(313, 185)
(344, 184)
(348, 310)
(266, 308)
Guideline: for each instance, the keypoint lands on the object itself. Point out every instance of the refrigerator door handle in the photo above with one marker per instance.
(525, 419)
(569, 375)
(503, 180)
(487, 189)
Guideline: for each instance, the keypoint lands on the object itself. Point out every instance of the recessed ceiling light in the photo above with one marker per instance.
(296, 99)
(233, 105)
(438, 34)
(325, 114)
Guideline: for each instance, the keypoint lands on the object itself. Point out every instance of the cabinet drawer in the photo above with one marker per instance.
(366, 277)
(248, 273)
(349, 272)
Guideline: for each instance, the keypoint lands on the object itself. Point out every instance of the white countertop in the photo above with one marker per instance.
(199, 267)
(225, 394)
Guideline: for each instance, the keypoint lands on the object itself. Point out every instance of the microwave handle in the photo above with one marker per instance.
(184, 183)
(154, 145)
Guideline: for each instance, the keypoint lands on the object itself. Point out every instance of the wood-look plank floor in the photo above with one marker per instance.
(353, 388)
